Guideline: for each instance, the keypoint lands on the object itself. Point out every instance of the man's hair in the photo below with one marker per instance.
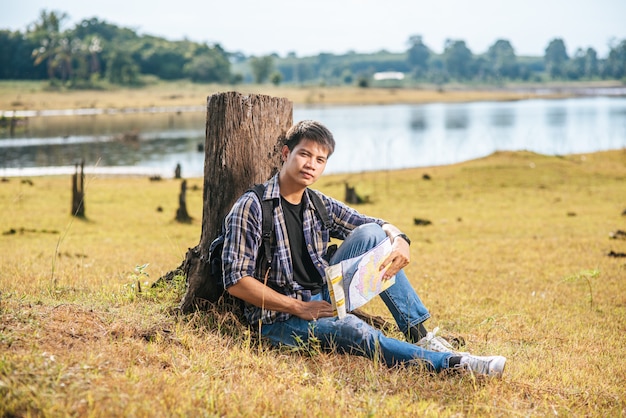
(312, 130)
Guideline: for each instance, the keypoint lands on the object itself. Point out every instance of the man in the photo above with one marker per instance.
(290, 301)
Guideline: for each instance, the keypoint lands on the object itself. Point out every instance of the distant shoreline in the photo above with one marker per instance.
(30, 99)
(527, 94)
(96, 111)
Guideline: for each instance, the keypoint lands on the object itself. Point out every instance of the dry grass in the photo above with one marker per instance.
(34, 96)
(515, 261)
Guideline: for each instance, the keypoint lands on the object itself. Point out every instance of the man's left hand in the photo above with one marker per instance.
(398, 259)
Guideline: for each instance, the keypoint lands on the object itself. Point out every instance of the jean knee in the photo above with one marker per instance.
(373, 229)
(372, 232)
(353, 335)
(361, 239)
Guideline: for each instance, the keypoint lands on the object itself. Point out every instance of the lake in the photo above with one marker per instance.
(384, 137)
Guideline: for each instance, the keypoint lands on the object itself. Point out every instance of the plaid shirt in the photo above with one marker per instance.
(242, 240)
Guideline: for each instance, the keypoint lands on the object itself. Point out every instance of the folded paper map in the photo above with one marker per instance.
(353, 282)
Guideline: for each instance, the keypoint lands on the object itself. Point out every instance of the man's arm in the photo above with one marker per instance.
(253, 291)
(400, 254)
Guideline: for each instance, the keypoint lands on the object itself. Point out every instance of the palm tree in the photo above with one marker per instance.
(54, 48)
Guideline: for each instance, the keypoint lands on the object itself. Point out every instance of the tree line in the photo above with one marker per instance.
(95, 52)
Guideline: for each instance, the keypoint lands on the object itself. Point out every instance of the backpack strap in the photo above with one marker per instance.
(267, 225)
(267, 211)
(322, 212)
(320, 208)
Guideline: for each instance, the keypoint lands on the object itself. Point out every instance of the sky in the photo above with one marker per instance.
(306, 27)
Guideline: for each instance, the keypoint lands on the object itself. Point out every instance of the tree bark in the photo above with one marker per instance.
(244, 135)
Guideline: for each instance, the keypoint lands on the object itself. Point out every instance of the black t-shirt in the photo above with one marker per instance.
(304, 271)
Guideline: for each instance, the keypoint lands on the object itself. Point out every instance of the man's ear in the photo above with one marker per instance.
(284, 153)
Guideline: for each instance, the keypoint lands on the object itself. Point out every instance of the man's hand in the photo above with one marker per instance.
(398, 259)
(400, 254)
(313, 310)
(253, 291)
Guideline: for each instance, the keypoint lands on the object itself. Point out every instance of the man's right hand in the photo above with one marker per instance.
(253, 291)
(313, 310)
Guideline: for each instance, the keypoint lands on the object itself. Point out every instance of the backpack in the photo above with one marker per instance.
(264, 257)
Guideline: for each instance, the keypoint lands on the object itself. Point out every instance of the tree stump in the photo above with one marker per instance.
(351, 196)
(244, 135)
(78, 191)
(181, 213)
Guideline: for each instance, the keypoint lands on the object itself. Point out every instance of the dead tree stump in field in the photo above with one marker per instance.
(78, 191)
(351, 196)
(181, 213)
(244, 135)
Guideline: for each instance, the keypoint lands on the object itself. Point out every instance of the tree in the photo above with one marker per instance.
(347, 77)
(58, 55)
(261, 67)
(16, 57)
(502, 59)
(54, 47)
(94, 48)
(47, 26)
(616, 61)
(238, 130)
(85, 61)
(481, 68)
(105, 31)
(363, 81)
(276, 78)
(210, 67)
(121, 68)
(7, 46)
(591, 63)
(575, 68)
(418, 55)
(164, 59)
(457, 59)
(555, 58)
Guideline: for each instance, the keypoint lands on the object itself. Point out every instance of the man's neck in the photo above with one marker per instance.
(292, 193)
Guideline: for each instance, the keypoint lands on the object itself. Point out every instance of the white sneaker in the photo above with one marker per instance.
(433, 342)
(488, 366)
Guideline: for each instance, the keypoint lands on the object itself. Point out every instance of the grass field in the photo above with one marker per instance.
(35, 95)
(516, 261)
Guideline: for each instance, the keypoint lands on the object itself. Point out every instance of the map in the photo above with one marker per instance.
(354, 282)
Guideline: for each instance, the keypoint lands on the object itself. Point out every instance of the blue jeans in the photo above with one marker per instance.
(351, 334)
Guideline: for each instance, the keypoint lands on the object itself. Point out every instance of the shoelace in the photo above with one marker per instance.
(436, 343)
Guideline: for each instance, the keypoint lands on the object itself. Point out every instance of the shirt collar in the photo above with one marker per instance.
(272, 191)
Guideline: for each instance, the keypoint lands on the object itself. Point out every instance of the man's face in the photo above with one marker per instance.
(305, 163)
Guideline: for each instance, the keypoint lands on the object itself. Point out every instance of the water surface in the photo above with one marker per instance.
(384, 137)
